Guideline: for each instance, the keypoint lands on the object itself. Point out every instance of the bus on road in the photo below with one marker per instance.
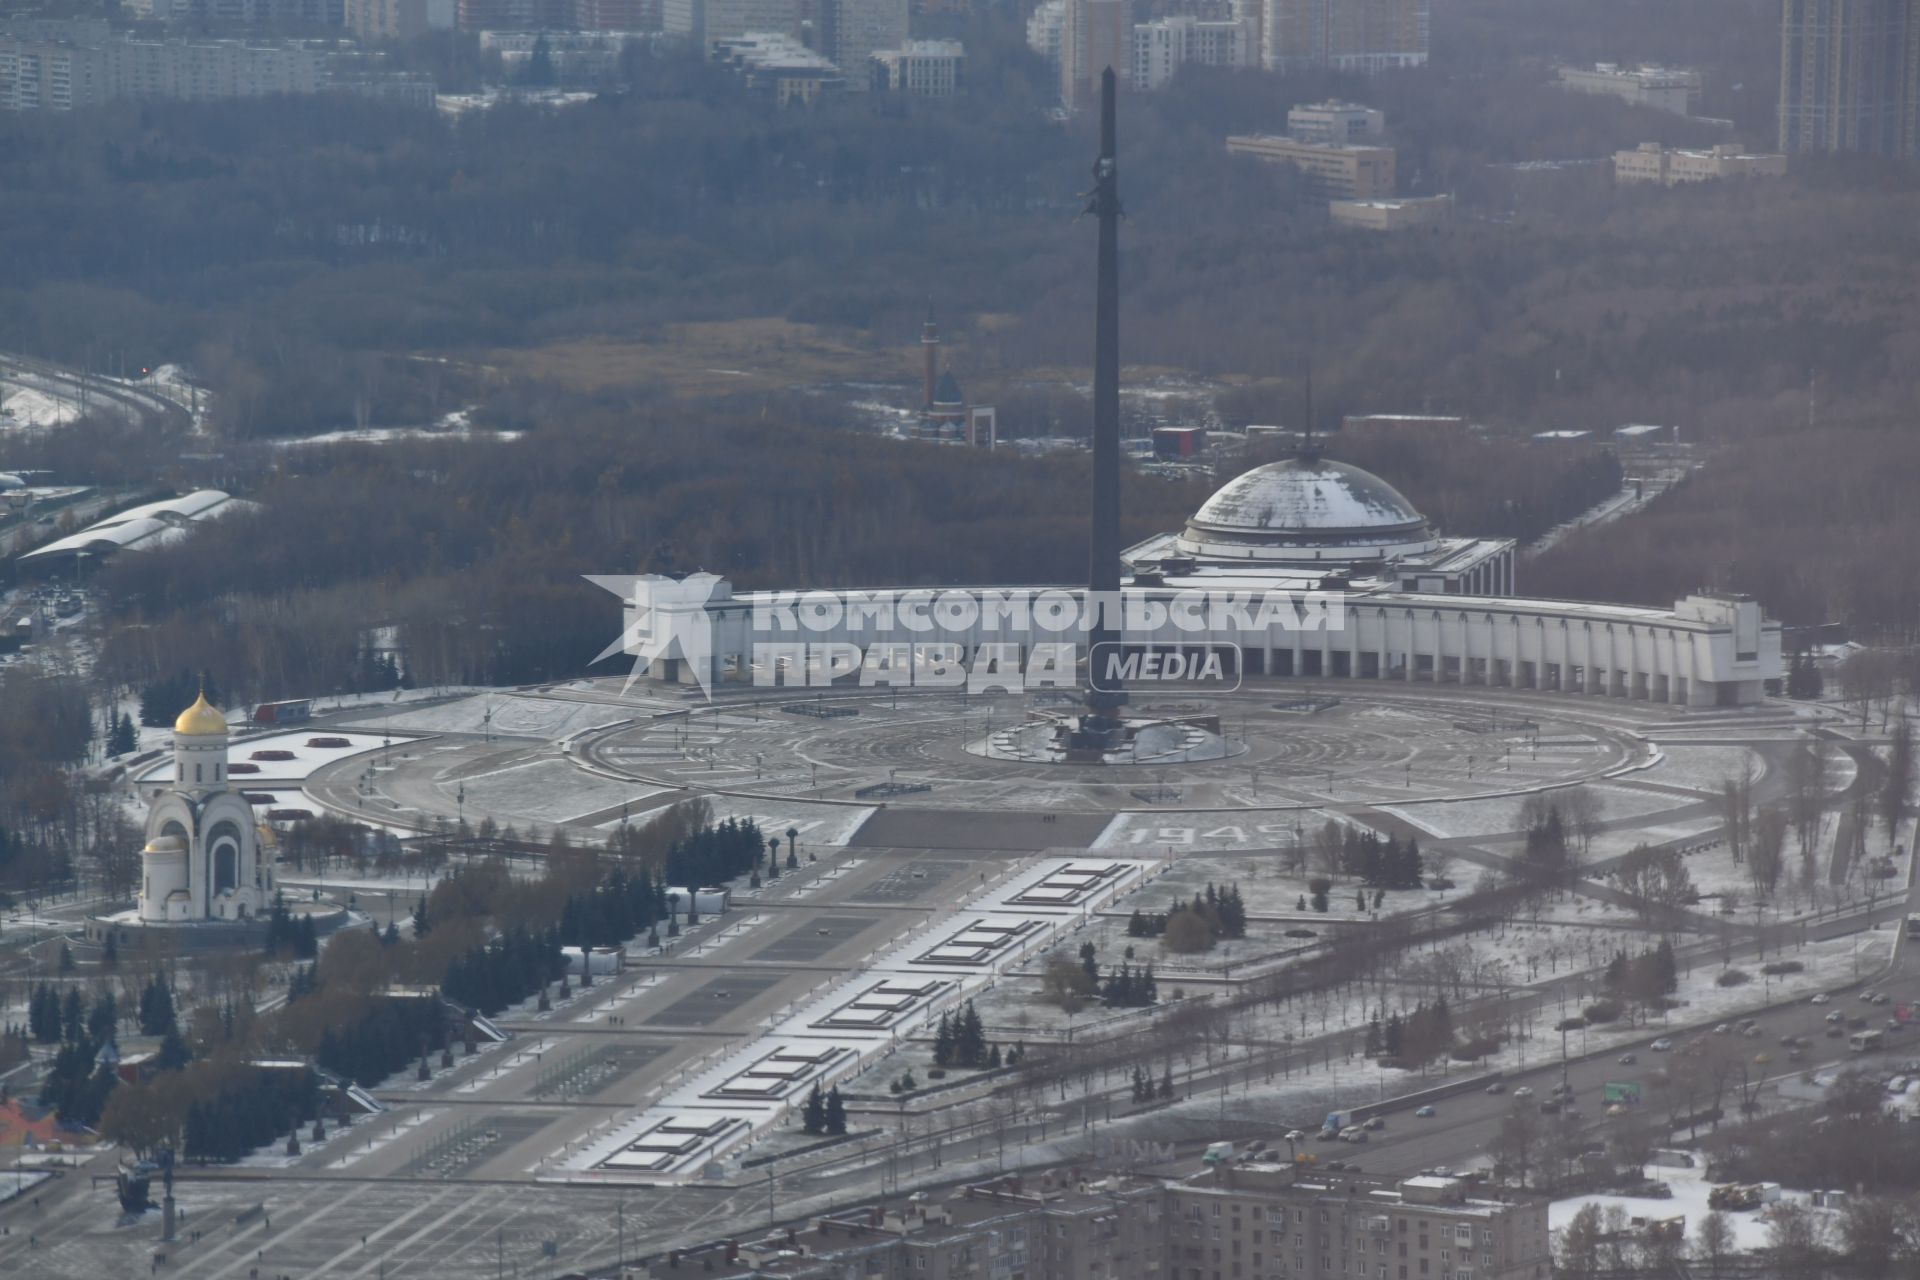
(1867, 1041)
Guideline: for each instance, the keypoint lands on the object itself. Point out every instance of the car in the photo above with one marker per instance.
(1751, 1033)
(1296, 1135)
(1820, 998)
(1425, 1113)
(1836, 1016)
(1858, 1024)
(1550, 1106)
(1327, 1135)
(1865, 997)
(1879, 997)
(1374, 1122)
(1616, 1110)
(1662, 1045)
(1524, 1091)
(1626, 1059)
(1796, 1055)
(1442, 1171)
(1496, 1087)
(1353, 1133)
(1724, 1029)
(1835, 1031)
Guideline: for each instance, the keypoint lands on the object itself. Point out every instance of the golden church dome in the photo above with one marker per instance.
(201, 718)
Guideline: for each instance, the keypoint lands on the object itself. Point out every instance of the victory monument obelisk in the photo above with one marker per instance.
(1100, 728)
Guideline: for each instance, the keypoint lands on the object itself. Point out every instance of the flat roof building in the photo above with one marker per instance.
(1403, 214)
(780, 66)
(1651, 162)
(1663, 88)
(1337, 170)
(1335, 122)
(921, 68)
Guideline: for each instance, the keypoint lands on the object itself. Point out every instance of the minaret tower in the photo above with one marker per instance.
(930, 353)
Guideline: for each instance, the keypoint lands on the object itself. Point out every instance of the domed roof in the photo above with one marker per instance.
(202, 718)
(166, 844)
(1307, 503)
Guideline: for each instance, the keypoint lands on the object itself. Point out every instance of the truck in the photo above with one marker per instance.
(1867, 1041)
(1338, 1120)
(1217, 1153)
(1913, 926)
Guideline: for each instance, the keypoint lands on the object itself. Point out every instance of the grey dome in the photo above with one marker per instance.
(1307, 504)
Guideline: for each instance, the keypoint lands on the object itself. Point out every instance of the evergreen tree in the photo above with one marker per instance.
(124, 738)
(814, 1118)
(103, 1019)
(421, 925)
(836, 1113)
(943, 1042)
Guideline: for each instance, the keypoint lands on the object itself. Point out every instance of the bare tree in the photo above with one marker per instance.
(1715, 1244)
(1766, 856)
(1899, 780)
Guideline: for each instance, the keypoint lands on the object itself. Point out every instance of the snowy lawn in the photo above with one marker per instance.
(305, 759)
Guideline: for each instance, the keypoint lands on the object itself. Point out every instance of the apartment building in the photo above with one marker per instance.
(374, 20)
(1280, 1222)
(1232, 1222)
(1045, 26)
(921, 68)
(707, 22)
(1651, 162)
(1850, 76)
(1107, 1230)
(1163, 46)
(862, 28)
(1337, 170)
(56, 66)
(1094, 35)
(1368, 36)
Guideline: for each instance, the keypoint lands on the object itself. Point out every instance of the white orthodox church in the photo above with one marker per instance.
(206, 856)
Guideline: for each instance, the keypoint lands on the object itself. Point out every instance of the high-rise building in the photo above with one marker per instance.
(1850, 76)
(1164, 45)
(706, 22)
(862, 28)
(1094, 35)
(398, 19)
(1045, 26)
(1348, 35)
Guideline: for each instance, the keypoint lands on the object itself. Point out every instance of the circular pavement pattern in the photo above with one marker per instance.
(1375, 748)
